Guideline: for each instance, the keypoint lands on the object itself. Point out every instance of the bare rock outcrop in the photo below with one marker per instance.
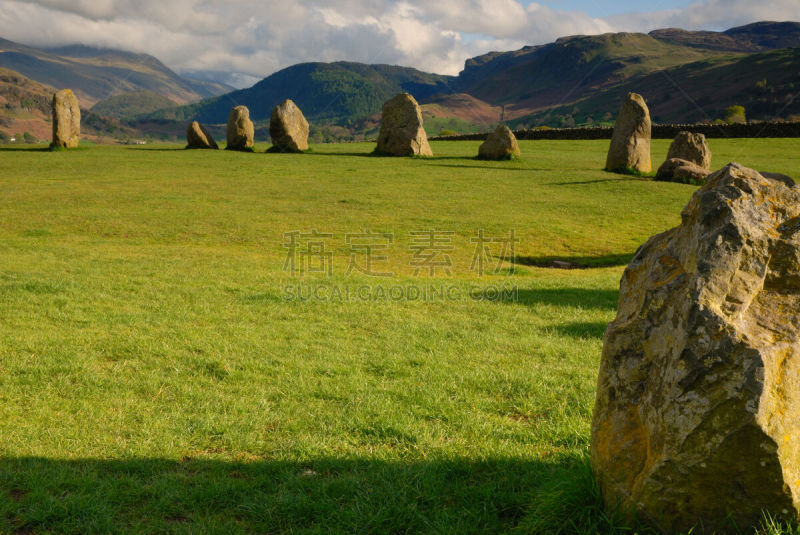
(288, 128)
(66, 120)
(197, 137)
(697, 417)
(241, 132)
(499, 145)
(630, 142)
(401, 132)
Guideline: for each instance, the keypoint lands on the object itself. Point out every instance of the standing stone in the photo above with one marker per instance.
(288, 128)
(677, 170)
(692, 148)
(197, 137)
(401, 132)
(241, 131)
(697, 418)
(500, 145)
(630, 143)
(66, 120)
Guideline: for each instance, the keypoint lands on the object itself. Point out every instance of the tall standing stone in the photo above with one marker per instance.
(402, 133)
(288, 128)
(692, 148)
(499, 145)
(630, 143)
(66, 120)
(241, 132)
(697, 418)
(197, 137)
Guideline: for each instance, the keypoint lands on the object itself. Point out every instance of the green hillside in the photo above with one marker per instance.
(132, 104)
(338, 91)
(701, 91)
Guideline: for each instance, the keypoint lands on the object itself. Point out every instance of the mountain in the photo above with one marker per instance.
(575, 79)
(341, 91)
(757, 37)
(95, 74)
(765, 84)
(25, 109)
(685, 76)
(129, 105)
(573, 68)
(569, 68)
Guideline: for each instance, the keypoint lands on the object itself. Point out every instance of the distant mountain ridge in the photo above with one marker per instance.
(528, 83)
(95, 74)
(685, 76)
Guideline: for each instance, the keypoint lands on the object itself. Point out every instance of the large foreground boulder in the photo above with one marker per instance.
(197, 137)
(401, 132)
(66, 120)
(630, 142)
(288, 128)
(677, 170)
(697, 418)
(499, 145)
(692, 148)
(241, 132)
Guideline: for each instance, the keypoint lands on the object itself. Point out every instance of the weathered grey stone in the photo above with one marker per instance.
(197, 137)
(288, 128)
(241, 131)
(676, 170)
(401, 132)
(499, 145)
(692, 148)
(630, 142)
(697, 418)
(66, 120)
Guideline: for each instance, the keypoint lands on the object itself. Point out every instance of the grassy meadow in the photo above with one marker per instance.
(162, 371)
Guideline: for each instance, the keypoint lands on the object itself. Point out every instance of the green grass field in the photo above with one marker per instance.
(161, 373)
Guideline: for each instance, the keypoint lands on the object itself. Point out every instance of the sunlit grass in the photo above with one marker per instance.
(159, 374)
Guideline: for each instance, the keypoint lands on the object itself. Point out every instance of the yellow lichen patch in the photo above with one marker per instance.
(625, 441)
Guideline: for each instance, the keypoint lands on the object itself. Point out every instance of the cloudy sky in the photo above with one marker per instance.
(252, 39)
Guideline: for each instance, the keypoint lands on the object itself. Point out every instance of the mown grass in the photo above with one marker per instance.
(154, 377)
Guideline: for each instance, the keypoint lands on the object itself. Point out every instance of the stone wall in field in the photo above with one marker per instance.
(660, 131)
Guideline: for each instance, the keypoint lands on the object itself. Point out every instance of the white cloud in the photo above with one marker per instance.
(254, 38)
(710, 15)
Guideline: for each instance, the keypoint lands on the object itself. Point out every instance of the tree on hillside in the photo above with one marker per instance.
(735, 115)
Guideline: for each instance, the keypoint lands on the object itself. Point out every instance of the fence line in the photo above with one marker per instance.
(659, 131)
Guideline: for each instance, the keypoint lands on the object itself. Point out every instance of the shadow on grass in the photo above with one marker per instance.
(327, 495)
(168, 149)
(616, 178)
(317, 152)
(575, 262)
(498, 166)
(595, 329)
(31, 149)
(585, 298)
